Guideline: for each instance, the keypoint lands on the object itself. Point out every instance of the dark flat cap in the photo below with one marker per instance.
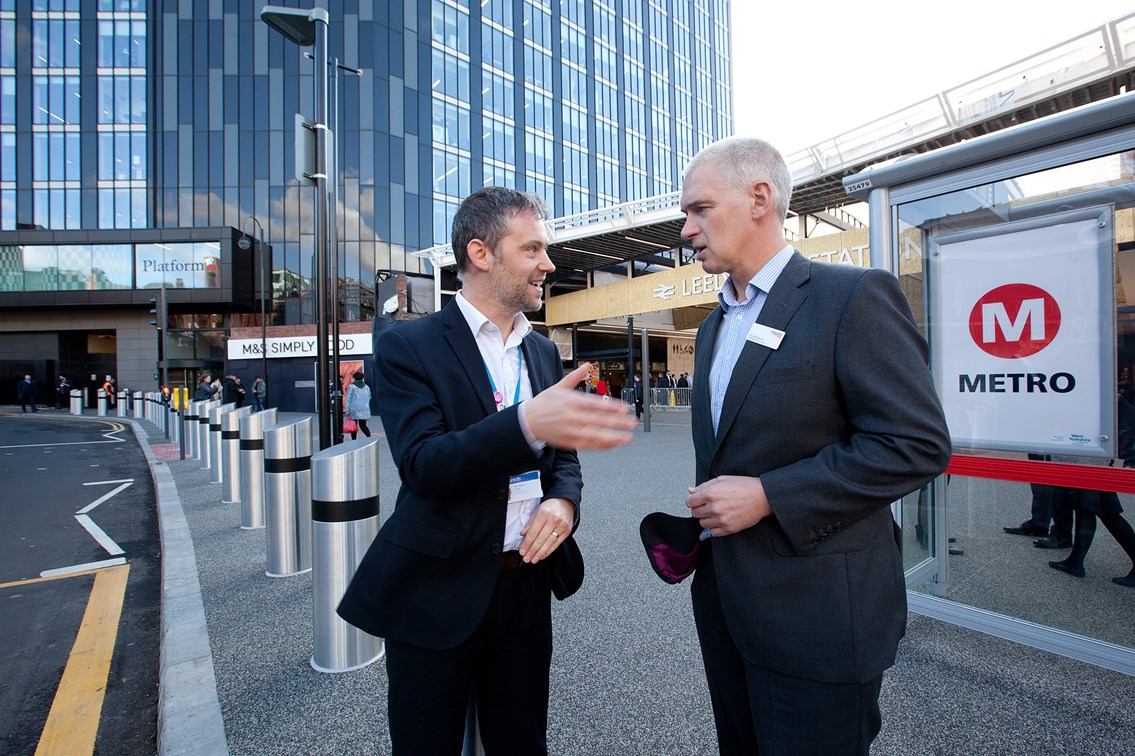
(672, 545)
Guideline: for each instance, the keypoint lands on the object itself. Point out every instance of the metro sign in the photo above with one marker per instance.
(1014, 320)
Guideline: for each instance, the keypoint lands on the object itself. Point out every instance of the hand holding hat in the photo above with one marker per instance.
(672, 545)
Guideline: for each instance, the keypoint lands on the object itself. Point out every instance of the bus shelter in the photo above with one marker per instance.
(1016, 250)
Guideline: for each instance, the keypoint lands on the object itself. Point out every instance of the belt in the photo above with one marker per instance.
(511, 560)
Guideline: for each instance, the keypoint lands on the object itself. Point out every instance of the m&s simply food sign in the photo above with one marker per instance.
(1022, 335)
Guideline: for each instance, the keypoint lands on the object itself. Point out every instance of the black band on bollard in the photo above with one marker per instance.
(216, 427)
(203, 419)
(344, 511)
(251, 444)
(229, 435)
(298, 464)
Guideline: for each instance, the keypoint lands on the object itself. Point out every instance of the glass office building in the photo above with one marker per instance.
(131, 116)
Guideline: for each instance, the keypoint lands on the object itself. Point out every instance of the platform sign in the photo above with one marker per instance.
(1022, 334)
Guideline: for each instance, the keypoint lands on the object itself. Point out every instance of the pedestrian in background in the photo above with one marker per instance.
(229, 390)
(259, 392)
(63, 393)
(204, 390)
(26, 393)
(357, 404)
(240, 392)
(638, 397)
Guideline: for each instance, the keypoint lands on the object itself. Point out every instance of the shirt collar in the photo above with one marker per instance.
(477, 320)
(764, 280)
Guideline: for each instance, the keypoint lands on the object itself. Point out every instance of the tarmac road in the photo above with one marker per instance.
(79, 587)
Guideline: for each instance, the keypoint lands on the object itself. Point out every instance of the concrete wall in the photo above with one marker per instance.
(136, 339)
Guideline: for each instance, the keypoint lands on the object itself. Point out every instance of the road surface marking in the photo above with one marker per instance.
(99, 535)
(125, 484)
(76, 569)
(73, 722)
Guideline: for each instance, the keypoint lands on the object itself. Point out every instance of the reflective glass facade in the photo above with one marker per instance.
(129, 114)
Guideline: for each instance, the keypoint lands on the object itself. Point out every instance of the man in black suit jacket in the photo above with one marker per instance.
(483, 427)
(813, 410)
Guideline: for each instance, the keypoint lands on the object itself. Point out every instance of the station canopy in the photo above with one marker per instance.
(1089, 67)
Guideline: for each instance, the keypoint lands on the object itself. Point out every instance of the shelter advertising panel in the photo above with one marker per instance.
(1022, 331)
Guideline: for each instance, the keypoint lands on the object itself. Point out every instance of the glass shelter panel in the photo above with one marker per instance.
(1004, 310)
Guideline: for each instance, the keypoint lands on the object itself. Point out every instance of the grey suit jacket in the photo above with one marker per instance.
(838, 422)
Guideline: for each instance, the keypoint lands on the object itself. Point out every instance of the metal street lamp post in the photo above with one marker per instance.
(307, 28)
(245, 245)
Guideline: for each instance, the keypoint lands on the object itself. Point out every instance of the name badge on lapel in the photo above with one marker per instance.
(765, 336)
(525, 486)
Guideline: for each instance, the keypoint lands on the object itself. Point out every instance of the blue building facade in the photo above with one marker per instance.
(125, 116)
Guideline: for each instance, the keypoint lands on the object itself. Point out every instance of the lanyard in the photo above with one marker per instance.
(498, 397)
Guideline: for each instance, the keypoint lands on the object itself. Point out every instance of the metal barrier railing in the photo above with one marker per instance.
(663, 398)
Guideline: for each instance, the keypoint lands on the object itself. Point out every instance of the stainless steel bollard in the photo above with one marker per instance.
(76, 401)
(137, 405)
(101, 403)
(174, 420)
(287, 497)
(252, 467)
(203, 431)
(344, 514)
(190, 428)
(215, 440)
(229, 454)
(123, 403)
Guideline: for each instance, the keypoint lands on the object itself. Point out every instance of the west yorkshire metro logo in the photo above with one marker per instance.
(1015, 320)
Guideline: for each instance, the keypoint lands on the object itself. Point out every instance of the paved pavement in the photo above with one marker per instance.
(626, 675)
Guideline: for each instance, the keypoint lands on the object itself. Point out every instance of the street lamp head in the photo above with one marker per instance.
(294, 23)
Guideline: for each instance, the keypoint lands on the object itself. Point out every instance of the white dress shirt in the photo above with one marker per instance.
(503, 363)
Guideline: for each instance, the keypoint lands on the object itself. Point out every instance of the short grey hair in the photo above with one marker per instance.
(744, 161)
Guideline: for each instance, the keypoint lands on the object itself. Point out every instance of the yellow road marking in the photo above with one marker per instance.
(73, 721)
(48, 579)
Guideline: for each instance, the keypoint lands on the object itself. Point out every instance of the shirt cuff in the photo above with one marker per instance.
(536, 444)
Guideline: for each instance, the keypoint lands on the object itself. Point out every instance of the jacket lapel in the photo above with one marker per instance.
(782, 303)
(461, 340)
(531, 357)
(703, 359)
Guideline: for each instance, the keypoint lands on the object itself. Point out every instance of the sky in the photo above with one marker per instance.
(803, 73)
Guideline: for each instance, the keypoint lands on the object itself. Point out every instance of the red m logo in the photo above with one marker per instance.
(1014, 320)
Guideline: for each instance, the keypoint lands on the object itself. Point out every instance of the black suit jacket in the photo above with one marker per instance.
(838, 422)
(428, 576)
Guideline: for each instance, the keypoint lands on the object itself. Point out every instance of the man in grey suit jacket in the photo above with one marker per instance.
(813, 410)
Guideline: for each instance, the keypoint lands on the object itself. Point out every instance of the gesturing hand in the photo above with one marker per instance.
(565, 418)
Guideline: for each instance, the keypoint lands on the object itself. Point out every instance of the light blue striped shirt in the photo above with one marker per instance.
(736, 321)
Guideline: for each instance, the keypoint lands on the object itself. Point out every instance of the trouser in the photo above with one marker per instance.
(363, 427)
(505, 664)
(760, 711)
